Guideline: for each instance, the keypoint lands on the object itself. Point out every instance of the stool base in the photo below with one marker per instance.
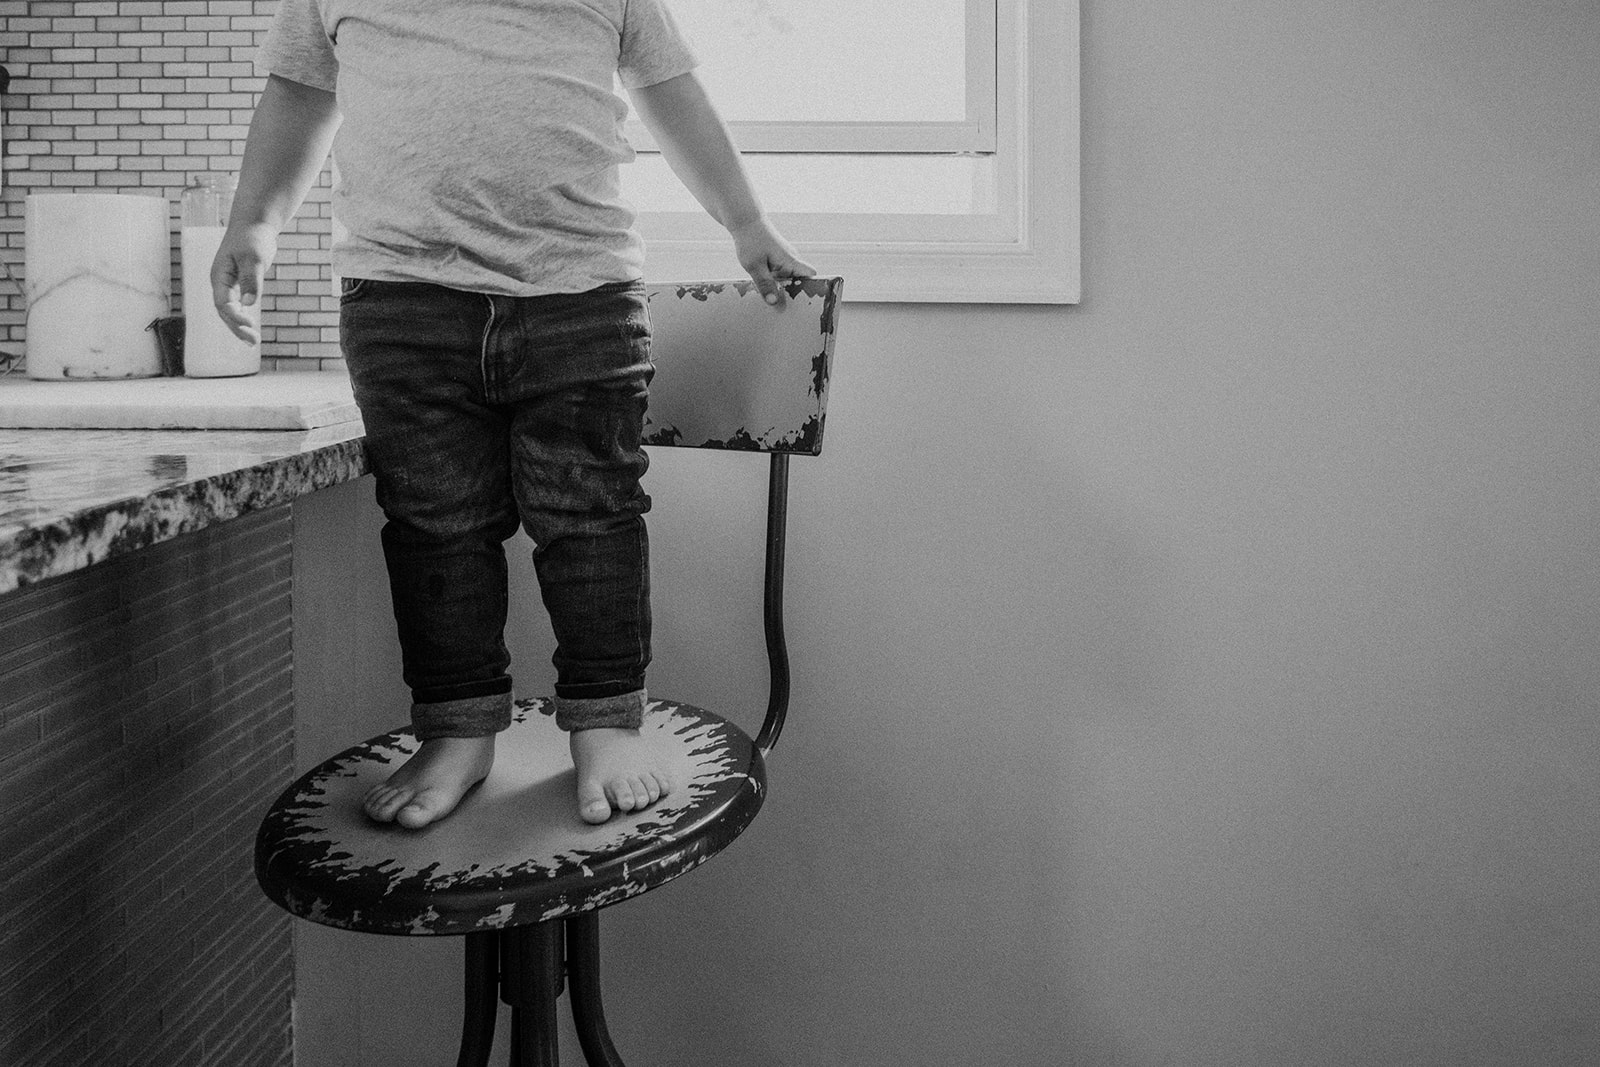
(526, 967)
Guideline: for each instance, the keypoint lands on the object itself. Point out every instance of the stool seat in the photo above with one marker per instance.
(515, 851)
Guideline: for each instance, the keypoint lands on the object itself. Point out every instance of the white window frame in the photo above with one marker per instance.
(972, 135)
(1025, 250)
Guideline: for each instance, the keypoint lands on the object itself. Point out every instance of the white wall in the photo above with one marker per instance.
(1205, 674)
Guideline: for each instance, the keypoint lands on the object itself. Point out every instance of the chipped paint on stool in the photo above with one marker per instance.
(515, 851)
(733, 372)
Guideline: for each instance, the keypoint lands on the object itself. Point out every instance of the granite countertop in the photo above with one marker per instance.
(71, 498)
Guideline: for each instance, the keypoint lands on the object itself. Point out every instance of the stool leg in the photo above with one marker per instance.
(583, 963)
(530, 981)
(482, 1004)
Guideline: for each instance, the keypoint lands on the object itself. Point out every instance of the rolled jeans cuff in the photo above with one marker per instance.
(467, 717)
(622, 712)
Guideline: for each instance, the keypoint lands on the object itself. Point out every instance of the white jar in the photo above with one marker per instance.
(210, 350)
(99, 272)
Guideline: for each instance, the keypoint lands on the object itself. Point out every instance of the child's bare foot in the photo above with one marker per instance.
(616, 772)
(432, 782)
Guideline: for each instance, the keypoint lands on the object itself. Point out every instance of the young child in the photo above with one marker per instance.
(494, 323)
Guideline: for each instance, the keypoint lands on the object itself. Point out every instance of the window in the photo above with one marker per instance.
(926, 149)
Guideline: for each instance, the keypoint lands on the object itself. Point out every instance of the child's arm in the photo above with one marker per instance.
(696, 145)
(289, 139)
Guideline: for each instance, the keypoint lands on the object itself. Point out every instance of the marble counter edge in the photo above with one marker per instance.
(120, 527)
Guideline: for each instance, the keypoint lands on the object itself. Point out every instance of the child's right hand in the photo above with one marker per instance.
(767, 258)
(236, 278)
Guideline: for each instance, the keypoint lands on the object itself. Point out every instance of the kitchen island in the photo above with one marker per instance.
(146, 720)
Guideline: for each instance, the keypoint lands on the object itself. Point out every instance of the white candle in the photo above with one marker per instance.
(210, 350)
(98, 273)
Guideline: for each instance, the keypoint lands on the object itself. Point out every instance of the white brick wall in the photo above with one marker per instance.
(131, 96)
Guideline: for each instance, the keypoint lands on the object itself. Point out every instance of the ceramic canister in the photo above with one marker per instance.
(99, 272)
(210, 350)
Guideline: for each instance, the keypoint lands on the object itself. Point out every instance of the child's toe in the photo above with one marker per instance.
(422, 808)
(592, 804)
(384, 802)
(622, 794)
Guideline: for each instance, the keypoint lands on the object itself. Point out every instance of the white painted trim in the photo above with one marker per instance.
(826, 138)
(982, 70)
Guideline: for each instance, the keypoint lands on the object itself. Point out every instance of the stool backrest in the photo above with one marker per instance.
(734, 372)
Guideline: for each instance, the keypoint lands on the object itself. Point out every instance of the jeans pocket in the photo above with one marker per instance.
(351, 288)
(633, 328)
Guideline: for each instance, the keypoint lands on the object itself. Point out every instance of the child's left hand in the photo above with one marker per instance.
(768, 258)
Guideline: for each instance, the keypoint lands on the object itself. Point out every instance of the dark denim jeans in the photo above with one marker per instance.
(483, 412)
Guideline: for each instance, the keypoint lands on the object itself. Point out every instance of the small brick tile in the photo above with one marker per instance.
(133, 931)
(136, 96)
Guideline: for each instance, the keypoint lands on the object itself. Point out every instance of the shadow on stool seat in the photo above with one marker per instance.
(514, 869)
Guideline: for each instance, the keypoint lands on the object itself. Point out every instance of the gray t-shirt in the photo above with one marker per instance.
(480, 141)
